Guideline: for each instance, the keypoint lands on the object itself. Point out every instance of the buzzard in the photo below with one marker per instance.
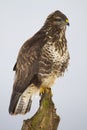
(41, 60)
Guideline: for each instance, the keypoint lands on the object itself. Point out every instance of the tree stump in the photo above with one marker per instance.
(45, 117)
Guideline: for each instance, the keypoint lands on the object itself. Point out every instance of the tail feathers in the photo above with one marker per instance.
(23, 105)
(14, 99)
(20, 103)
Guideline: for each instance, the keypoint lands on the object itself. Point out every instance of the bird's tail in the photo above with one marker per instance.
(21, 103)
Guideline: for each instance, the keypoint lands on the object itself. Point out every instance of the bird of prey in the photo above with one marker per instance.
(41, 60)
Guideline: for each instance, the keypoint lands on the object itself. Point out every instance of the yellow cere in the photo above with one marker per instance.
(67, 21)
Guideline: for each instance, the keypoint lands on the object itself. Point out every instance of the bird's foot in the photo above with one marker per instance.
(45, 90)
(42, 90)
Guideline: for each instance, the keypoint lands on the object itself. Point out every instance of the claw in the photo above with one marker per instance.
(45, 89)
(42, 90)
(48, 90)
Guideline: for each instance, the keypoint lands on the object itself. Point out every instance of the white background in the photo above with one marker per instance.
(19, 20)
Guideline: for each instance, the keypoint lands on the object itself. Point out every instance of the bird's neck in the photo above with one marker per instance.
(54, 30)
(56, 36)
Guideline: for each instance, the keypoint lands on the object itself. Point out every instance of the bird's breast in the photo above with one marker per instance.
(52, 63)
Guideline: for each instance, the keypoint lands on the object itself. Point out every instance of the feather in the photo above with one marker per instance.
(21, 103)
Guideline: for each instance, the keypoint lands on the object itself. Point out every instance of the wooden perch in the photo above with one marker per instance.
(46, 117)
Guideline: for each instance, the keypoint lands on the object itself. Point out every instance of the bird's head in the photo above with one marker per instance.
(57, 18)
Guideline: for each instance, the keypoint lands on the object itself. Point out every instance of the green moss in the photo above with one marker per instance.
(45, 117)
(46, 104)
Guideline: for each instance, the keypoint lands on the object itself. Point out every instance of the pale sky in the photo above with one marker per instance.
(19, 20)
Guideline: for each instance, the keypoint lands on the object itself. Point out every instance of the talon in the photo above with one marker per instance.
(45, 90)
(42, 90)
(48, 90)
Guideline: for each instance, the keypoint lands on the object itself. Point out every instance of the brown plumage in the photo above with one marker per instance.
(41, 59)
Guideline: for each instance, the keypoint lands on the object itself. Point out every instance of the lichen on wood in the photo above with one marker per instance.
(45, 118)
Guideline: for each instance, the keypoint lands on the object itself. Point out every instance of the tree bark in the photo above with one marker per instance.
(46, 117)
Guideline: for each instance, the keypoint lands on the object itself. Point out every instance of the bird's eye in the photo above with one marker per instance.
(59, 19)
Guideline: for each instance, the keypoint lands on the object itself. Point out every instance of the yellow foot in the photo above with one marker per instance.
(45, 90)
(42, 90)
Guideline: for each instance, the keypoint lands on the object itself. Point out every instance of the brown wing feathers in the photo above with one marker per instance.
(26, 69)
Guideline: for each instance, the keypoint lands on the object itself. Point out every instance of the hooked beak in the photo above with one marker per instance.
(67, 22)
